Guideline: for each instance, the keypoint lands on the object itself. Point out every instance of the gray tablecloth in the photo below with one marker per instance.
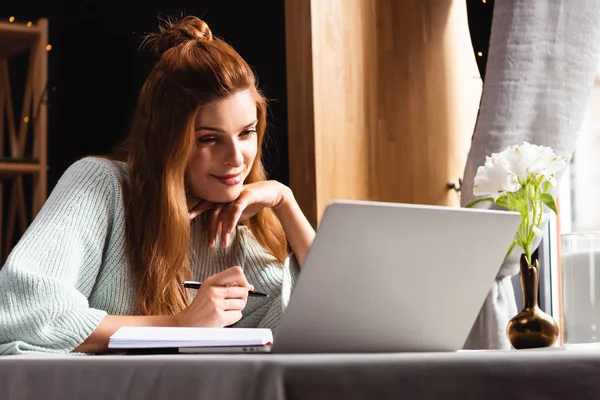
(500, 374)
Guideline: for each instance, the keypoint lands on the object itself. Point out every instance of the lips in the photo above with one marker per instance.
(229, 180)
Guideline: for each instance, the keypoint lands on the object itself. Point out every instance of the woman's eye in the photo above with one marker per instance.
(208, 140)
(248, 132)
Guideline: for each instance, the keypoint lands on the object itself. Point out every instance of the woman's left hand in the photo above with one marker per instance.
(253, 198)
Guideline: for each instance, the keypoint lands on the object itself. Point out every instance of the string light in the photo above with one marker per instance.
(484, 1)
(479, 53)
(29, 25)
(26, 119)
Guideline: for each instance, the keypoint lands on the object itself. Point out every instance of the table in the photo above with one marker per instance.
(525, 374)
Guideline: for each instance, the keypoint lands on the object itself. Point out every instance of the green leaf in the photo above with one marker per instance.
(503, 201)
(471, 204)
(521, 206)
(510, 249)
(548, 200)
(547, 186)
(514, 202)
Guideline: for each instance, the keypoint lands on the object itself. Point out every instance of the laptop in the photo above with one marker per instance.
(392, 277)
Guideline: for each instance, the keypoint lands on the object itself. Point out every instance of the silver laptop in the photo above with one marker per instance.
(390, 277)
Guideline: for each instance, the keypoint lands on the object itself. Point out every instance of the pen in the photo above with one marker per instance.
(196, 285)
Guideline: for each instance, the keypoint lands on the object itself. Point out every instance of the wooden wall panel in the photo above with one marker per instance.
(342, 61)
(382, 98)
(301, 132)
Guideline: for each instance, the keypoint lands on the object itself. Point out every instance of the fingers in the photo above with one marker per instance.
(233, 304)
(230, 218)
(234, 292)
(222, 220)
(231, 317)
(200, 208)
(226, 277)
(250, 287)
(214, 225)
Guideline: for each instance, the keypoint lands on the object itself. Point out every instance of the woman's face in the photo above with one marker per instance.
(226, 146)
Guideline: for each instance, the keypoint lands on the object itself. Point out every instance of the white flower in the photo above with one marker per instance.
(522, 171)
(494, 178)
(530, 159)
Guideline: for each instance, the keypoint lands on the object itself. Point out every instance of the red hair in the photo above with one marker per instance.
(194, 69)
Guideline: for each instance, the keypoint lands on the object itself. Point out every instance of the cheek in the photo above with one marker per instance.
(250, 152)
(199, 163)
(196, 172)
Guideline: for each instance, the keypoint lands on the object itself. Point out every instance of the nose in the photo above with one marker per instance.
(234, 156)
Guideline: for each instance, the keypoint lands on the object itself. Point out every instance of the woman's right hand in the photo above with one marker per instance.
(219, 301)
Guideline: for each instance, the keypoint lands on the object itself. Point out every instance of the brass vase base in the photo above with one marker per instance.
(531, 327)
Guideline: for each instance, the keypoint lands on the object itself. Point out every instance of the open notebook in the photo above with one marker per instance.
(145, 337)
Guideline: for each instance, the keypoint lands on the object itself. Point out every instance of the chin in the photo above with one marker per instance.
(224, 196)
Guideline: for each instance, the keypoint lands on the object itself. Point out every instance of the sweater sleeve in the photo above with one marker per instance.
(49, 275)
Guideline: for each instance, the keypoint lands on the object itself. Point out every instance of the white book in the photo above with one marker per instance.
(140, 337)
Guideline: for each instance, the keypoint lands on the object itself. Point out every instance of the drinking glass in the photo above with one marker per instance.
(580, 288)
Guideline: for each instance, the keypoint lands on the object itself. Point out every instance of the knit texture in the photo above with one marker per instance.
(70, 268)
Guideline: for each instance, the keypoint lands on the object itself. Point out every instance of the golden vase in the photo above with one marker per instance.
(531, 327)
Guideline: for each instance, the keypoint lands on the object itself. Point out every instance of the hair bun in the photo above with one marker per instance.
(174, 31)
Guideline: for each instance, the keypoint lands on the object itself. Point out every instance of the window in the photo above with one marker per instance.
(578, 200)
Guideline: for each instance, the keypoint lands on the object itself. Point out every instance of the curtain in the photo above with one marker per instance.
(539, 73)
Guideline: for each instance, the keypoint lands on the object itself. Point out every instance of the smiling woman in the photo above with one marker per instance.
(185, 197)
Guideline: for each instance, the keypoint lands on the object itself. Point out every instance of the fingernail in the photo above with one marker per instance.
(225, 240)
(211, 243)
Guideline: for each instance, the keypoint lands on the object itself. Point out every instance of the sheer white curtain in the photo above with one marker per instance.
(541, 63)
(580, 195)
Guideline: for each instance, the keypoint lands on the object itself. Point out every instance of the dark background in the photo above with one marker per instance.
(96, 69)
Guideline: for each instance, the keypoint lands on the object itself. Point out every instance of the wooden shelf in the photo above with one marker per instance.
(16, 37)
(12, 169)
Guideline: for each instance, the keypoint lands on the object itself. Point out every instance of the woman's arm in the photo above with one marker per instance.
(255, 197)
(50, 273)
(215, 305)
(298, 230)
(97, 342)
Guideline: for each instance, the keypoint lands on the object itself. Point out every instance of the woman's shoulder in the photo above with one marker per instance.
(92, 176)
(96, 168)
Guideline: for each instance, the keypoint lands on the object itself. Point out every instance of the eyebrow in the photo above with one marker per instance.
(212, 129)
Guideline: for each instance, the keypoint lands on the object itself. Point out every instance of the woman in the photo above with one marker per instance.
(184, 197)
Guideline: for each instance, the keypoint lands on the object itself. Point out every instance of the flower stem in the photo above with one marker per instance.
(526, 237)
